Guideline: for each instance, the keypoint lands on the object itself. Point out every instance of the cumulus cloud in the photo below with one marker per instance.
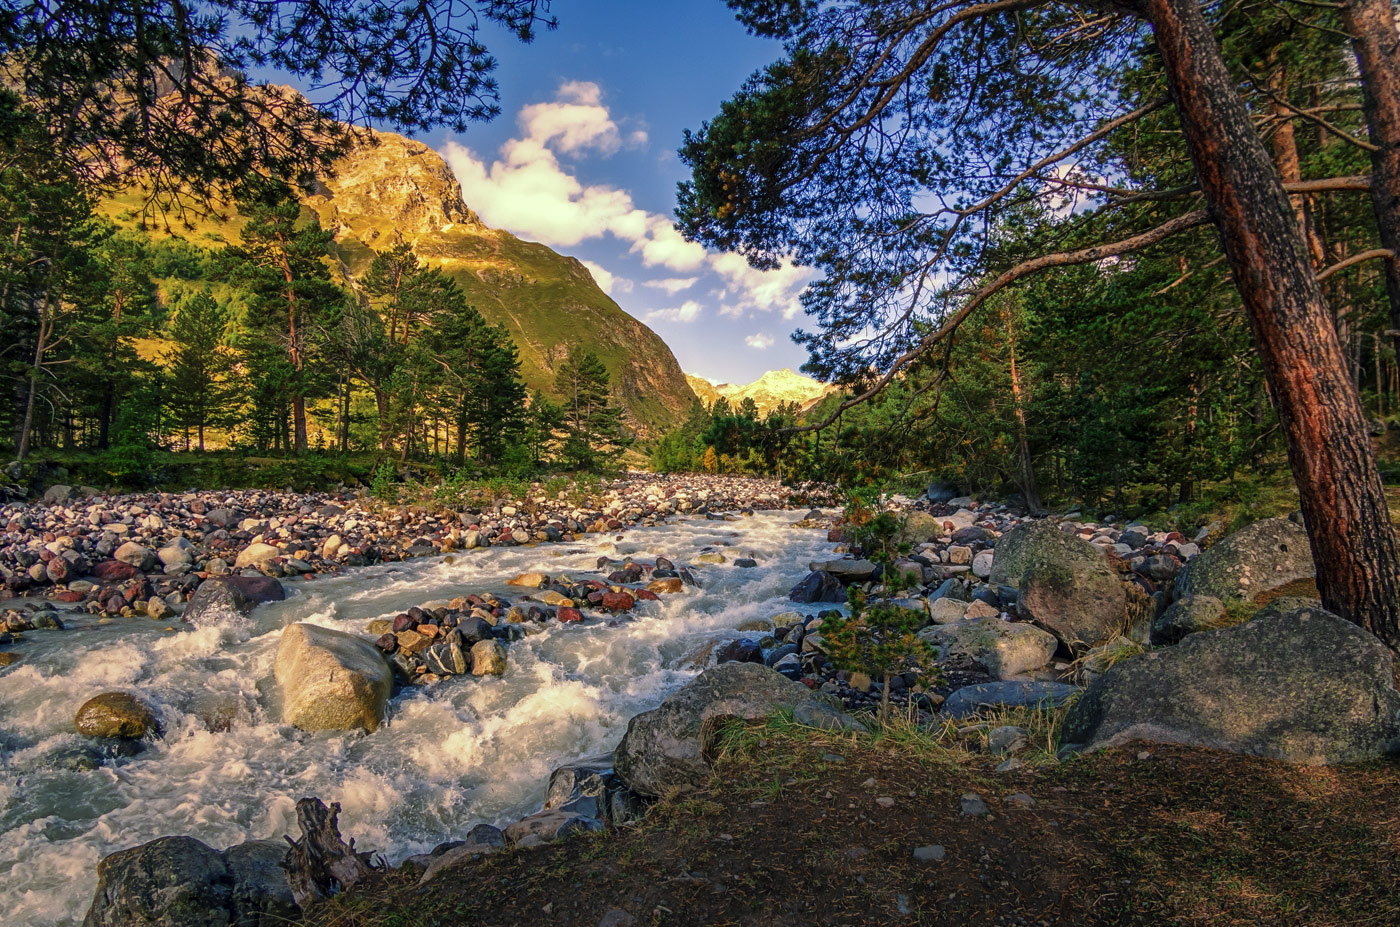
(759, 341)
(607, 281)
(688, 311)
(762, 290)
(528, 191)
(673, 285)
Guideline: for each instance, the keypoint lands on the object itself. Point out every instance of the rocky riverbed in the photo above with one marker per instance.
(146, 554)
(228, 765)
(492, 666)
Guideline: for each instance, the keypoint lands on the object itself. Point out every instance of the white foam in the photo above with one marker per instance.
(468, 750)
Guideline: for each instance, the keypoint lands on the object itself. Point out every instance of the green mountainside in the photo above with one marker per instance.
(400, 187)
(394, 187)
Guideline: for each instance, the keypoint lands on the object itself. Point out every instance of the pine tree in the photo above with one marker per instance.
(593, 429)
(281, 261)
(198, 365)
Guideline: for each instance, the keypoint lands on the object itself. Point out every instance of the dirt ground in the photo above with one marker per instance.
(804, 828)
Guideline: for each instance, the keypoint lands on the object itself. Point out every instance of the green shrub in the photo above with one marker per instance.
(130, 466)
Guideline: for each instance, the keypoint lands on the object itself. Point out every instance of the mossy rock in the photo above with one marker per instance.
(1302, 687)
(1065, 584)
(116, 714)
(1251, 563)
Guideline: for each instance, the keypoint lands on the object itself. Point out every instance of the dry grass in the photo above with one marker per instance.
(791, 833)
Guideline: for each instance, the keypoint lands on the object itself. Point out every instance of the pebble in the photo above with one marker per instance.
(973, 805)
(929, 854)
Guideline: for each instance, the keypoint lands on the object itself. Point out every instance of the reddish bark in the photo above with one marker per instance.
(1329, 446)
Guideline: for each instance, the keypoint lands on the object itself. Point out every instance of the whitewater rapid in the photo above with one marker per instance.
(463, 751)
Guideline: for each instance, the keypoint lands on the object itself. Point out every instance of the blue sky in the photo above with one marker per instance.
(583, 159)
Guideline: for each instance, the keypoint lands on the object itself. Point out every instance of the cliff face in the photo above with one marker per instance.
(398, 187)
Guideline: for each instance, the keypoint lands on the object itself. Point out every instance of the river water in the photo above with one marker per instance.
(464, 751)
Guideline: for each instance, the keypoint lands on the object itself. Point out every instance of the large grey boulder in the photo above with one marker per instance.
(1064, 584)
(226, 598)
(1265, 556)
(664, 749)
(1001, 648)
(331, 681)
(181, 882)
(1304, 687)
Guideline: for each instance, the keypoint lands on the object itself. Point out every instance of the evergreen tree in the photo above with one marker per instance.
(198, 366)
(281, 262)
(593, 429)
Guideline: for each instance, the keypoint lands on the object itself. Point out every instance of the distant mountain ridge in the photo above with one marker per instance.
(768, 391)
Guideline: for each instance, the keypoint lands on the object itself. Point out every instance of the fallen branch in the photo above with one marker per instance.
(321, 863)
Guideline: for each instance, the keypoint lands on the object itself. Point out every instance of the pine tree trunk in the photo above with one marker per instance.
(381, 405)
(1024, 465)
(1329, 445)
(41, 347)
(1377, 47)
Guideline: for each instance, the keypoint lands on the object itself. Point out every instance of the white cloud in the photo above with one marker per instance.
(673, 285)
(527, 191)
(764, 290)
(607, 281)
(759, 341)
(575, 122)
(688, 311)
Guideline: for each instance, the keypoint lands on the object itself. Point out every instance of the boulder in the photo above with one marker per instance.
(1260, 558)
(135, 555)
(982, 564)
(664, 750)
(1302, 687)
(1001, 648)
(331, 681)
(818, 587)
(1187, 615)
(227, 598)
(1007, 694)
(1064, 584)
(178, 551)
(115, 714)
(590, 787)
(848, 571)
(114, 571)
(450, 859)
(181, 882)
(947, 610)
(57, 494)
(488, 658)
(257, 556)
(919, 527)
(550, 825)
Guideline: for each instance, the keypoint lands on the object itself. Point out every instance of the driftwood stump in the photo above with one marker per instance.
(321, 863)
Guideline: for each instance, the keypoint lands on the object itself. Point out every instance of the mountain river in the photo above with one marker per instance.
(463, 751)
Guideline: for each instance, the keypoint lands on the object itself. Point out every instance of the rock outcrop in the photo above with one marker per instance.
(1303, 687)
